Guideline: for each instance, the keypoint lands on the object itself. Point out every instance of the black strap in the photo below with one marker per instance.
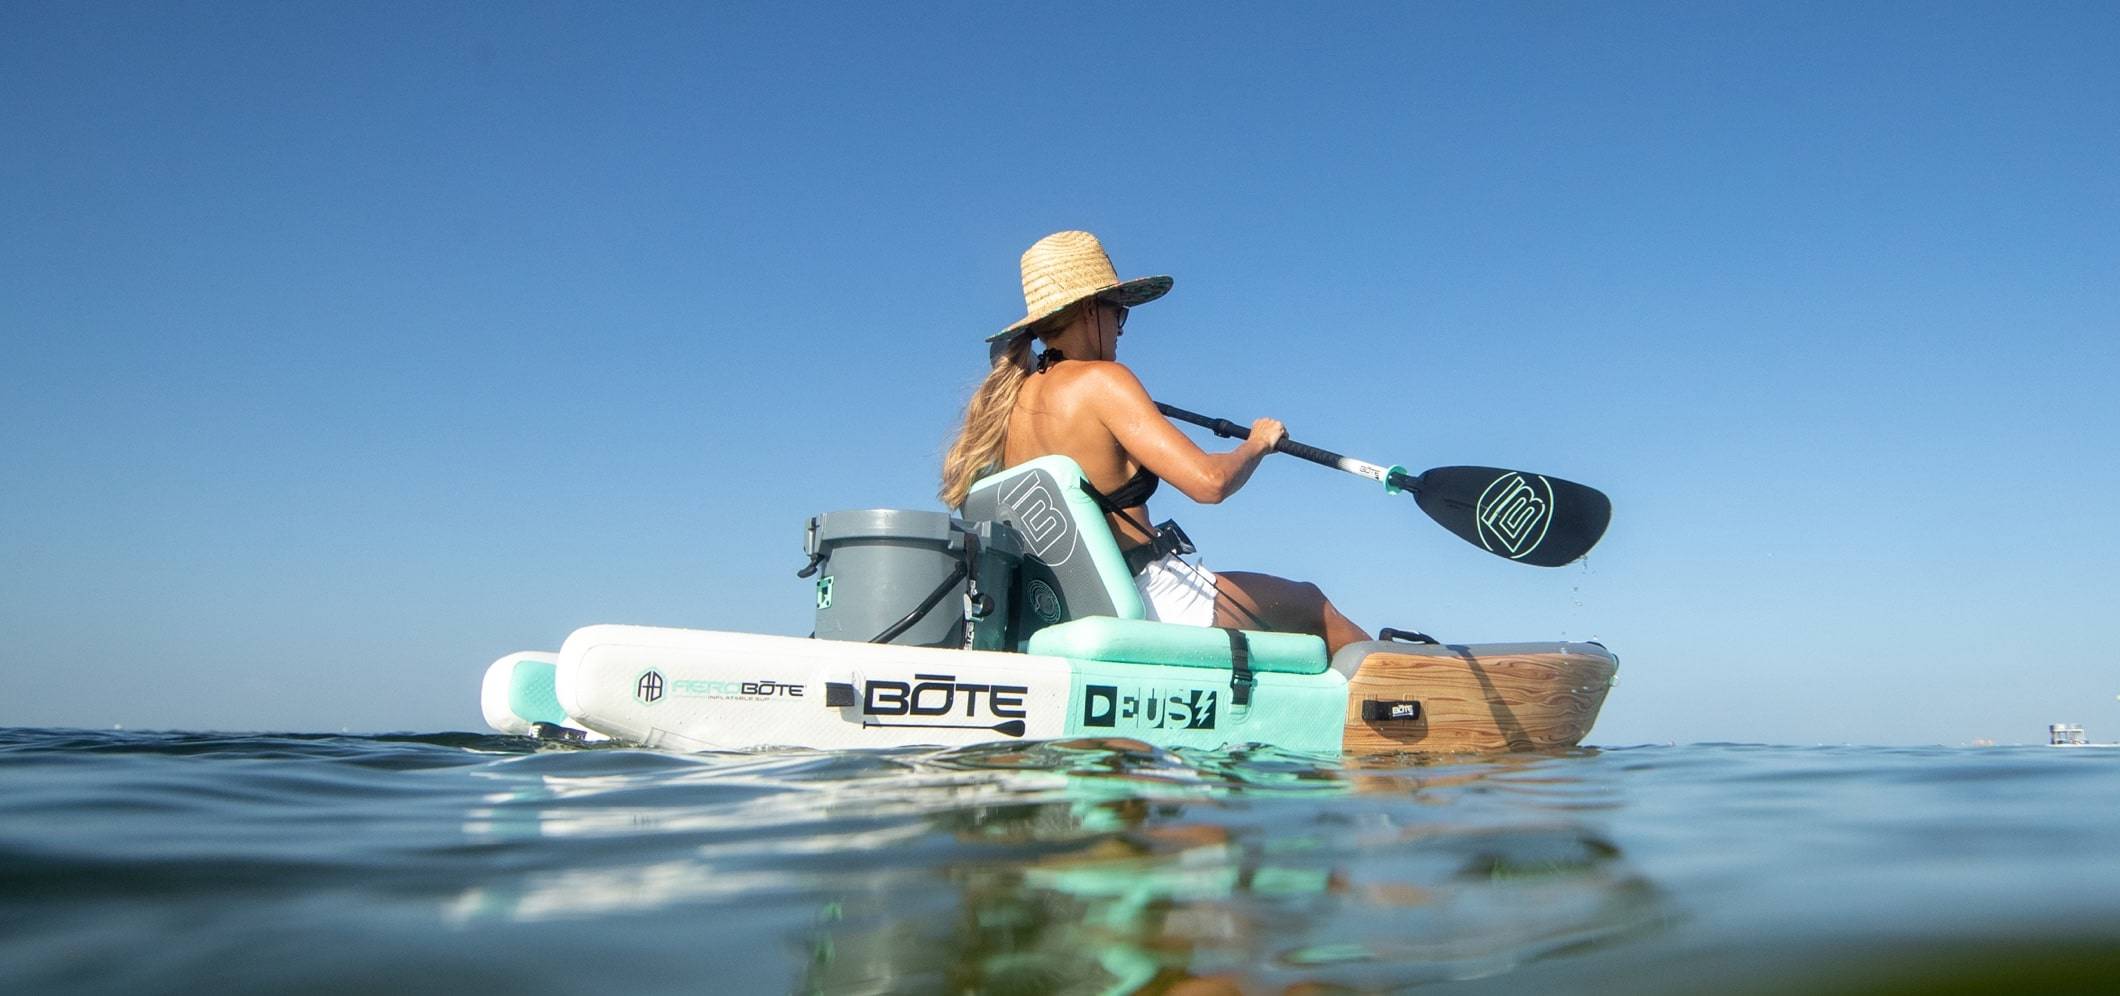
(1167, 538)
(897, 629)
(1240, 679)
(977, 603)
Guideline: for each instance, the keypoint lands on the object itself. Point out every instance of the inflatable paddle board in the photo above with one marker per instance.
(1168, 685)
(1021, 620)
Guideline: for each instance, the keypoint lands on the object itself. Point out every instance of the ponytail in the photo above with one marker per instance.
(978, 449)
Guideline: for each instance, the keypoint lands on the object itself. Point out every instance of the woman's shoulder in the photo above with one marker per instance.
(1097, 375)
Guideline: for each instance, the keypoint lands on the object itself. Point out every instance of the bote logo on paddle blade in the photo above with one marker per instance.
(1514, 513)
(649, 689)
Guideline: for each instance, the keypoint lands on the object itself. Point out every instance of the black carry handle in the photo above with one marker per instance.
(927, 605)
(1387, 633)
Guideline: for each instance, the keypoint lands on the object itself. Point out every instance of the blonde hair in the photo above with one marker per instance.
(977, 451)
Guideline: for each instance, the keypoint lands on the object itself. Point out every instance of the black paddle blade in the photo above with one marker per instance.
(1543, 521)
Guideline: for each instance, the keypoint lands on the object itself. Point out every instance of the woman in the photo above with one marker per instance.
(1076, 399)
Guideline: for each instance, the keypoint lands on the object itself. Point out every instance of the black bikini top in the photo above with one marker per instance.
(1135, 492)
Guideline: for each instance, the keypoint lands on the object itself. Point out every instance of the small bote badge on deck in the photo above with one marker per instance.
(1513, 514)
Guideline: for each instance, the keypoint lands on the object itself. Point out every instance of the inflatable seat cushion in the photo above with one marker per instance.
(1097, 582)
(1139, 641)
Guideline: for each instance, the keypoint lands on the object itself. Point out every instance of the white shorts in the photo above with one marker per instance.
(1178, 592)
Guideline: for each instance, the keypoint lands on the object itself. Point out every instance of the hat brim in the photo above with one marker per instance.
(1130, 294)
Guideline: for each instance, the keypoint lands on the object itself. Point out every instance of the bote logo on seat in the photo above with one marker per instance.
(649, 689)
(1037, 514)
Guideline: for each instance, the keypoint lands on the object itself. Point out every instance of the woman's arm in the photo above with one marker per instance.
(1125, 408)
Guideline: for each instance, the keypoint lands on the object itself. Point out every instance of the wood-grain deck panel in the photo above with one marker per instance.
(1470, 703)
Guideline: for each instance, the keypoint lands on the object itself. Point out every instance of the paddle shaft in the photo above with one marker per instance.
(1390, 476)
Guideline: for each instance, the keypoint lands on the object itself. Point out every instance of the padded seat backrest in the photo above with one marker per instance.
(1071, 565)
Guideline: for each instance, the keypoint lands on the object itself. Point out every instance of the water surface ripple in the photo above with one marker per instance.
(164, 862)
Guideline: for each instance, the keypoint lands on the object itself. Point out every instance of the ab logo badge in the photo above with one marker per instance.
(649, 689)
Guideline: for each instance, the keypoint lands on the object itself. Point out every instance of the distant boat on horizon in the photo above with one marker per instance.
(2069, 735)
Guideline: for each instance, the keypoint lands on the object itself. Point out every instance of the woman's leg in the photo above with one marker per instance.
(1244, 600)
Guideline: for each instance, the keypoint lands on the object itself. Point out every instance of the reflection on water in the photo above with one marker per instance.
(1088, 865)
(1169, 899)
(491, 864)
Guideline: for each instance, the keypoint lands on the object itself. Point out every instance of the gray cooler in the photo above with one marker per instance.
(883, 569)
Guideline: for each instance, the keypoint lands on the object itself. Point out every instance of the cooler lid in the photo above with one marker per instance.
(882, 523)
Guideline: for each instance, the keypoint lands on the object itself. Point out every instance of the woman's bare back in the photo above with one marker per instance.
(1056, 412)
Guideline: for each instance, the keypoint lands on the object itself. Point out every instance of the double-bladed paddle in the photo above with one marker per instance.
(1513, 514)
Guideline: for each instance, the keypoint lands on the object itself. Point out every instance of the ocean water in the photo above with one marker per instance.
(461, 863)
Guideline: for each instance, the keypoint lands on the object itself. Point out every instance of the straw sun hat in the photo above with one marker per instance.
(1065, 267)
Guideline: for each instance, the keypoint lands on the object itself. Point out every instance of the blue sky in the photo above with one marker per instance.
(350, 346)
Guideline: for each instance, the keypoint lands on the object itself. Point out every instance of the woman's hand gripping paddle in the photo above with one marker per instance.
(1520, 516)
